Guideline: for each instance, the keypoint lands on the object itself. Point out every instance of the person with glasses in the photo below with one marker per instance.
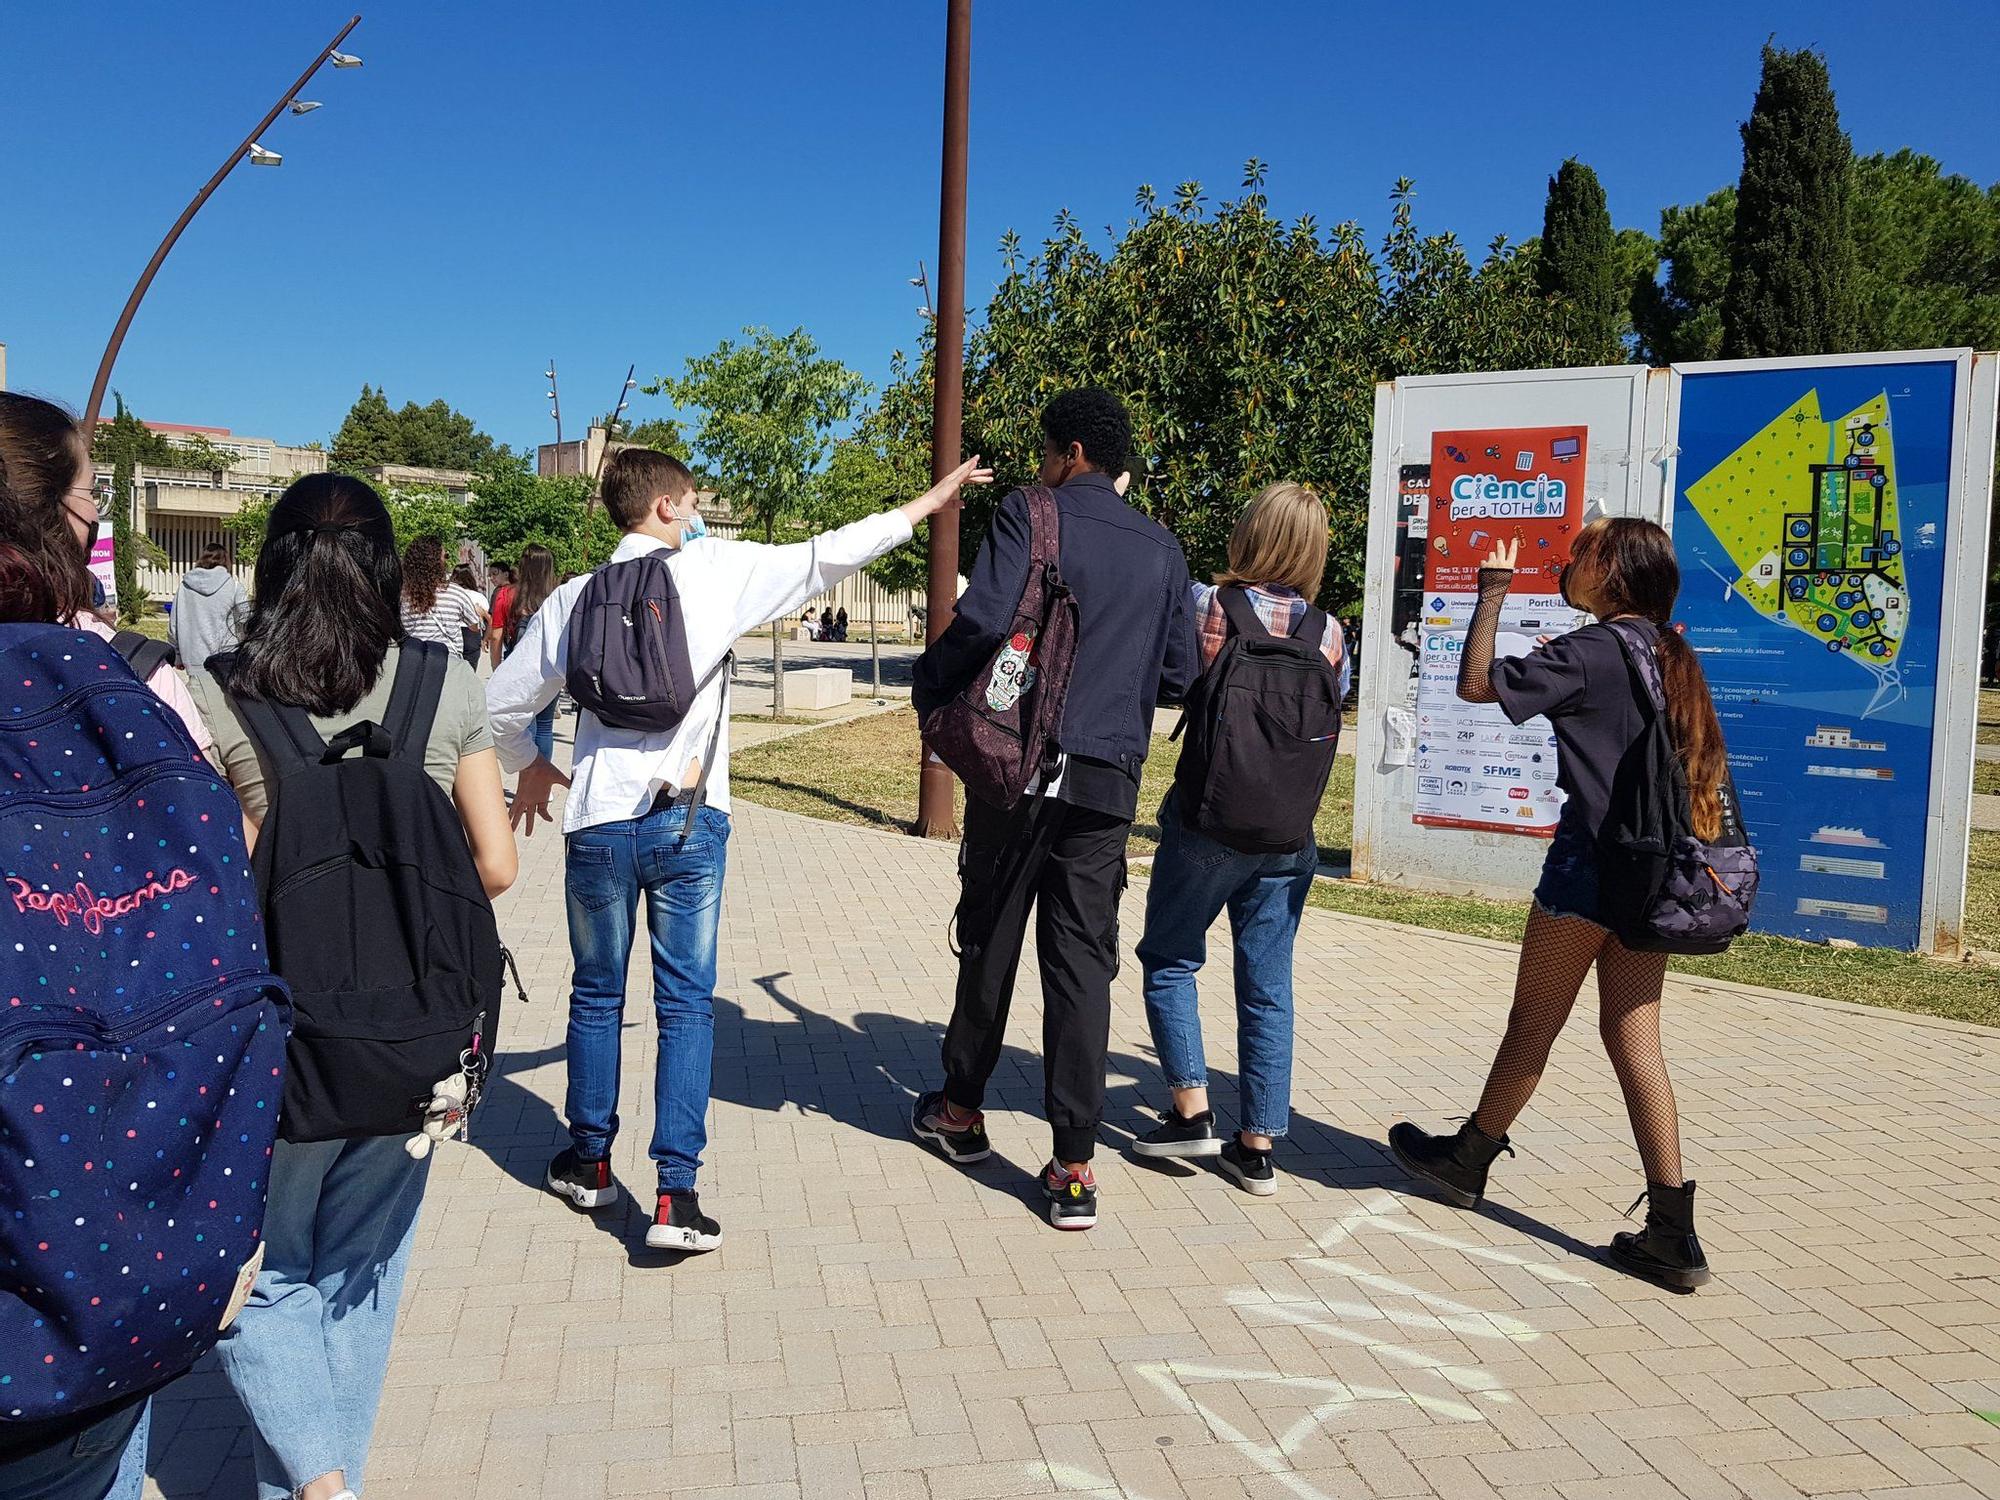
(48, 468)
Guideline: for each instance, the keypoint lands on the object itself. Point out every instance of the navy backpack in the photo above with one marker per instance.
(142, 1037)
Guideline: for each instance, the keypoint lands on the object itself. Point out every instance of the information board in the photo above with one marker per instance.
(1520, 484)
(1811, 512)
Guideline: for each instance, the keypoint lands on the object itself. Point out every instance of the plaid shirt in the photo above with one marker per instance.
(1279, 608)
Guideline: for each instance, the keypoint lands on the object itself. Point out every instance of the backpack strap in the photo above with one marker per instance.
(1643, 662)
(1044, 529)
(414, 697)
(142, 653)
(1242, 614)
(282, 731)
(1311, 627)
(696, 796)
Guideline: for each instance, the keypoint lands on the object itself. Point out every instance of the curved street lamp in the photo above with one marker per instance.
(259, 157)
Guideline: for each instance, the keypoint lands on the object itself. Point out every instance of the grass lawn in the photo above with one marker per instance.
(865, 771)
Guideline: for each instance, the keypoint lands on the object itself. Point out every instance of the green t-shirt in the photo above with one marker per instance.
(460, 728)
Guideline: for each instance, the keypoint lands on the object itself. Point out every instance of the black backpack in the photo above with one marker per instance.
(628, 651)
(1660, 888)
(373, 913)
(142, 653)
(1263, 725)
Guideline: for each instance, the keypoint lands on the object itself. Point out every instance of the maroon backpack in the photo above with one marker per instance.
(1000, 733)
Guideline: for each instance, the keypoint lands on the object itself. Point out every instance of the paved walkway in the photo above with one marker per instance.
(882, 1325)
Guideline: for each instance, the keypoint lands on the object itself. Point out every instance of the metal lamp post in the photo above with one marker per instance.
(935, 815)
(258, 157)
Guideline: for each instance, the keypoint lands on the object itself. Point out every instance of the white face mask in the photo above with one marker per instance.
(693, 528)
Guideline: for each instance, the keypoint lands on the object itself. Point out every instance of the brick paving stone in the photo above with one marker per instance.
(880, 1325)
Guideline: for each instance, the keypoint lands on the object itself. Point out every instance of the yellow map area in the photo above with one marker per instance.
(1807, 510)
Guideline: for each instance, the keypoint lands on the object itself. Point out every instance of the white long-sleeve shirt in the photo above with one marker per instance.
(726, 589)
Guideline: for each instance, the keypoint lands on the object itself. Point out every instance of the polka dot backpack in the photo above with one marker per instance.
(142, 1036)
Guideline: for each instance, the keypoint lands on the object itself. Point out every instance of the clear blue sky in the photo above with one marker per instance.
(507, 181)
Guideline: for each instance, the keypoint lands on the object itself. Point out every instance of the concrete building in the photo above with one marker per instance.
(184, 510)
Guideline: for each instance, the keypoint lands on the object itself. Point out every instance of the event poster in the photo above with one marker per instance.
(103, 566)
(1810, 520)
(1520, 484)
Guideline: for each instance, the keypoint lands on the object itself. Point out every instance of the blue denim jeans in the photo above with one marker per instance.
(307, 1355)
(608, 867)
(545, 731)
(1194, 879)
(81, 1466)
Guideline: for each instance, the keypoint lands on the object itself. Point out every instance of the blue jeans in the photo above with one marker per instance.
(1194, 879)
(608, 866)
(545, 730)
(308, 1354)
(84, 1466)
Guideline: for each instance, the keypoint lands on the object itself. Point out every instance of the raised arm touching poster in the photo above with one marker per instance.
(1524, 484)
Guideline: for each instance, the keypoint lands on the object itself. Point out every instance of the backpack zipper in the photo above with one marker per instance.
(67, 703)
(111, 791)
(148, 1018)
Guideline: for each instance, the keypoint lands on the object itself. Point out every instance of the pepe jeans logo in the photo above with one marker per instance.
(89, 908)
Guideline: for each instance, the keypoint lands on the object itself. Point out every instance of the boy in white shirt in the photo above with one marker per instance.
(632, 795)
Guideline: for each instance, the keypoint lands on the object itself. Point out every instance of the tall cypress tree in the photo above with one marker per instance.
(1791, 260)
(1578, 263)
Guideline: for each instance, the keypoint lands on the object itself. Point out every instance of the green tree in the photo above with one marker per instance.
(1679, 318)
(1246, 349)
(511, 508)
(1577, 264)
(860, 479)
(367, 435)
(433, 437)
(1791, 259)
(768, 410)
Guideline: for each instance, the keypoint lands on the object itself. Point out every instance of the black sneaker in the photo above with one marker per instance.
(679, 1224)
(1250, 1170)
(964, 1143)
(1072, 1196)
(1178, 1136)
(585, 1184)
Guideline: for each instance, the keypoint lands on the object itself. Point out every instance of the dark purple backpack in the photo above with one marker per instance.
(1660, 888)
(628, 651)
(1000, 733)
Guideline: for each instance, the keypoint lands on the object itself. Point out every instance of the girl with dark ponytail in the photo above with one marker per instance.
(1620, 568)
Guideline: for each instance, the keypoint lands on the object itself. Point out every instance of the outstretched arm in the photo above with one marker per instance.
(1475, 662)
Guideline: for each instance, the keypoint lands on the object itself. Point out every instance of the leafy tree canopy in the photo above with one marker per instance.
(1247, 350)
(511, 508)
(1578, 262)
(433, 437)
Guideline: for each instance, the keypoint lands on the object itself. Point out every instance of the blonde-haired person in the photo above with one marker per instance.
(1277, 558)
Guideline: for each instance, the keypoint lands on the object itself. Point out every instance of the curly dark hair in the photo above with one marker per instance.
(423, 572)
(41, 458)
(1095, 418)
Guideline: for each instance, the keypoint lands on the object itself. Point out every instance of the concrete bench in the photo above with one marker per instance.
(818, 687)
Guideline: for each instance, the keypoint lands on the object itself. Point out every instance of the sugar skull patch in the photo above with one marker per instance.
(1013, 674)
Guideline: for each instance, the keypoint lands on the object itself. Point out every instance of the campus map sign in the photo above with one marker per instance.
(1524, 484)
(1810, 522)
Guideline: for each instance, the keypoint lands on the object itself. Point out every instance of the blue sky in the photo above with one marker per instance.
(506, 181)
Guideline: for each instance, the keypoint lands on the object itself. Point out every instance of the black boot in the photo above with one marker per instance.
(1666, 1250)
(1453, 1164)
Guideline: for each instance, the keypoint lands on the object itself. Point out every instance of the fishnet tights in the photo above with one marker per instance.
(1556, 954)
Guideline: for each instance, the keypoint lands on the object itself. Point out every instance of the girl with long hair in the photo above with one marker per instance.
(1620, 568)
(1277, 558)
(48, 525)
(465, 588)
(433, 609)
(308, 1354)
(534, 581)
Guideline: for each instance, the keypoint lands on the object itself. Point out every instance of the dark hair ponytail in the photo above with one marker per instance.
(1628, 567)
(328, 585)
(534, 581)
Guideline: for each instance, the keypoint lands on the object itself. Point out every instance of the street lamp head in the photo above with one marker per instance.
(918, 281)
(549, 373)
(343, 59)
(259, 157)
(304, 106)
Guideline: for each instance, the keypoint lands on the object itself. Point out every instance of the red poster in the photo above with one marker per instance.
(1518, 483)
